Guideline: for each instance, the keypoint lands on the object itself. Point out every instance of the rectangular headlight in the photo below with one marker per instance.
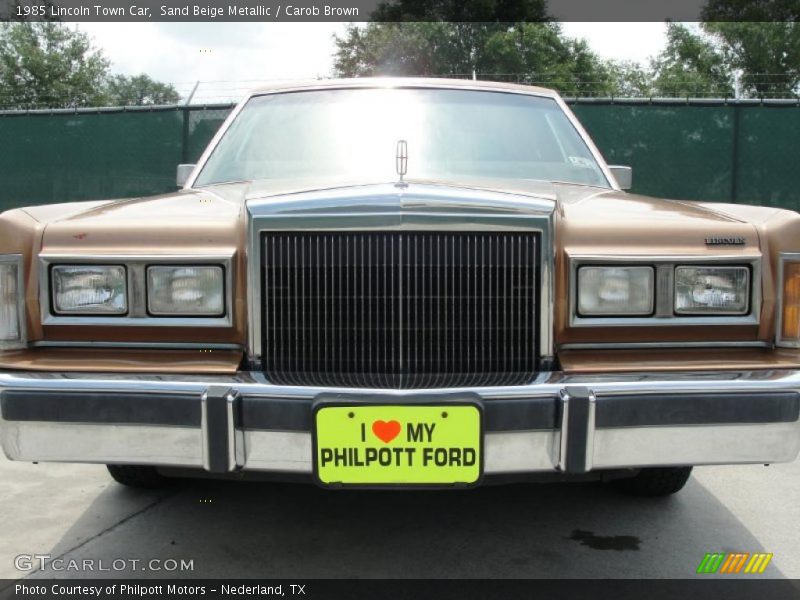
(615, 291)
(9, 302)
(712, 290)
(89, 290)
(186, 290)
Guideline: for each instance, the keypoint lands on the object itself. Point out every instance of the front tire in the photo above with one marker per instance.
(137, 476)
(655, 482)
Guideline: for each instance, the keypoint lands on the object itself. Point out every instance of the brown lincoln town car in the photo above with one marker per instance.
(398, 283)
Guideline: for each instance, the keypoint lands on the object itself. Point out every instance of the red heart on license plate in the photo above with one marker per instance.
(386, 430)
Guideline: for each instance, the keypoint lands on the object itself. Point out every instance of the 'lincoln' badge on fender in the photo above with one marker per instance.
(725, 241)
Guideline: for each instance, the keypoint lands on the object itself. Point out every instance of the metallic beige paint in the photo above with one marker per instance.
(588, 221)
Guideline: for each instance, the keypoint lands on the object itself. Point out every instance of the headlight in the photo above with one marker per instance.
(615, 291)
(790, 318)
(89, 290)
(186, 290)
(9, 303)
(712, 290)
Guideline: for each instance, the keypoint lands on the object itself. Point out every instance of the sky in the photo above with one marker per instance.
(229, 58)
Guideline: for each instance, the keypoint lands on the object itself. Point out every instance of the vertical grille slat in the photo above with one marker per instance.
(399, 310)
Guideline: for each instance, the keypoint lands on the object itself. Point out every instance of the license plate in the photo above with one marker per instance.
(375, 445)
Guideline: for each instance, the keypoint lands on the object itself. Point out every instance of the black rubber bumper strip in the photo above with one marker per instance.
(135, 408)
(577, 428)
(642, 410)
(216, 430)
(501, 415)
(265, 414)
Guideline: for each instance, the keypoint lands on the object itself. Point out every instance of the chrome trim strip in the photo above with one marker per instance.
(214, 141)
(21, 313)
(562, 436)
(660, 345)
(138, 345)
(591, 432)
(136, 266)
(236, 451)
(696, 445)
(547, 384)
(783, 258)
(204, 430)
(665, 315)
(104, 444)
(612, 181)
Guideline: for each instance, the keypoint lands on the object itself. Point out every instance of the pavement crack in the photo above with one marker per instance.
(96, 536)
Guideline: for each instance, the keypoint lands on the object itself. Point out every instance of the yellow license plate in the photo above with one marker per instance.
(398, 445)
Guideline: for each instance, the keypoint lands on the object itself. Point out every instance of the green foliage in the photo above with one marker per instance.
(630, 80)
(53, 65)
(766, 54)
(139, 90)
(691, 65)
(49, 64)
(531, 52)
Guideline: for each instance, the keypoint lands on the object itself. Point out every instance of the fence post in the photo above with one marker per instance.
(735, 153)
(185, 138)
(186, 113)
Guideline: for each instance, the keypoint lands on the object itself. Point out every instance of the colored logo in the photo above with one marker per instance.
(734, 562)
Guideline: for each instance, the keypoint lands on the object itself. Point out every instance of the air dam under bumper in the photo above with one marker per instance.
(567, 423)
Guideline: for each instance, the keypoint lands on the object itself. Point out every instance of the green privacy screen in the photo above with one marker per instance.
(61, 157)
(731, 153)
(698, 151)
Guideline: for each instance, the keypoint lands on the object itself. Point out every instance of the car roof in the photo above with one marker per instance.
(403, 82)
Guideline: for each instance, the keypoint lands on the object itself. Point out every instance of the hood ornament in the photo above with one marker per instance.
(401, 162)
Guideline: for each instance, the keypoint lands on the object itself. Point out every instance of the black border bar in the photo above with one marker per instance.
(729, 588)
(348, 11)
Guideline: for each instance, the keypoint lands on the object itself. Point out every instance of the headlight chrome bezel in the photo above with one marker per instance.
(21, 340)
(136, 268)
(664, 313)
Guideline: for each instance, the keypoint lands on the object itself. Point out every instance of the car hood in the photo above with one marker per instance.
(588, 219)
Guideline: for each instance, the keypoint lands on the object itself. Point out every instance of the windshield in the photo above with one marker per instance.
(352, 134)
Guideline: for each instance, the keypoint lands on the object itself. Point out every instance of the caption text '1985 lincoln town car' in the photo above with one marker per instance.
(387, 283)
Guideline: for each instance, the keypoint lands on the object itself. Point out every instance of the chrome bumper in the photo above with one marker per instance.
(566, 423)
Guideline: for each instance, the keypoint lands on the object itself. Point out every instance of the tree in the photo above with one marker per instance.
(49, 64)
(630, 80)
(766, 55)
(691, 65)
(139, 90)
(531, 52)
(52, 65)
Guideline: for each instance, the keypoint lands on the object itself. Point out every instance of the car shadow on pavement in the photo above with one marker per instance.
(554, 530)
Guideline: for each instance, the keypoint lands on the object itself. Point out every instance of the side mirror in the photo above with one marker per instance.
(623, 175)
(183, 174)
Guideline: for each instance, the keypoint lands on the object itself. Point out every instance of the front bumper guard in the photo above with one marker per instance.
(566, 423)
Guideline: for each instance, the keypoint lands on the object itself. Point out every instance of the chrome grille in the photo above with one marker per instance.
(399, 310)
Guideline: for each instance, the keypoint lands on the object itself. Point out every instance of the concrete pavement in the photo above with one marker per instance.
(238, 529)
